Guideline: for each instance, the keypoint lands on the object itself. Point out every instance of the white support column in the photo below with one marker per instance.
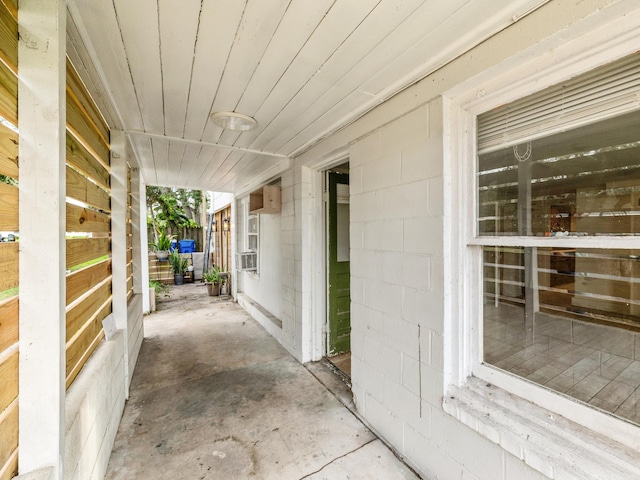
(140, 224)
(119, 238)
(236, 216)
(139, 227)
(42, 112)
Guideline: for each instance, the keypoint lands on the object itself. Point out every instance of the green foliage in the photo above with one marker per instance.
(8, 180)
(212, 276)
(178, 264)
(163, 243)
(158, 287)
(173, 208)
(12, 292)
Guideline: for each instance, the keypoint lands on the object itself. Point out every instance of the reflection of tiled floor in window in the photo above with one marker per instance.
(596, 364)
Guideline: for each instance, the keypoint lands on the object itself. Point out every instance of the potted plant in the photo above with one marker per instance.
(179, 266)
(162, 245)
(212, 281)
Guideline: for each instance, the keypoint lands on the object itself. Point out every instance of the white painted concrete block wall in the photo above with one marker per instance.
(288, 264)
(265, 288)
(136, 331)
(396, 177)
(94, 406)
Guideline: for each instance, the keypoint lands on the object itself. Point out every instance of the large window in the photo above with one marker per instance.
(558, 207)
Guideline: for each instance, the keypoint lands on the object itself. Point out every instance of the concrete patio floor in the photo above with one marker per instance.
(216, 397)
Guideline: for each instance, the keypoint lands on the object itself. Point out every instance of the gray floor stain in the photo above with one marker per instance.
(215, 397)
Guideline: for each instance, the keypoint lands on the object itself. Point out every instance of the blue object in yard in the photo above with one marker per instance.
(174, 245)
(187, 246)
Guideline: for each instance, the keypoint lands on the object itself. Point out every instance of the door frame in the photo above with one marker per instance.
(326, 234)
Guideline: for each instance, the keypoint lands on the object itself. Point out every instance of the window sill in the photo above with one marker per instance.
(551, 444)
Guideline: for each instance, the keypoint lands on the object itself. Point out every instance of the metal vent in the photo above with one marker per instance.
(247, 261)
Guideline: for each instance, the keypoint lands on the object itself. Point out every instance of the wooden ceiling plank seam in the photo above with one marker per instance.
(301, 20)
(177, 42)
(431, 45)
(229, 163)
(223, 22)
(139, 31)
(422, 16)
(176, 156)
(208, 168)
(106, 51)
(191, 155)
(257, 26)
(161, 159)
(253, 167)
(217, 171)
(339, 22)
(193, 63)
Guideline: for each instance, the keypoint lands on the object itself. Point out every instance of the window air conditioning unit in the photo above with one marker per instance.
(247, 261)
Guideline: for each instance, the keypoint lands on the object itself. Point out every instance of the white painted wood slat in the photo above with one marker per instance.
(96, 21)
(218, 25)
(259, 22)
(368, 51)
(138, 23)
(178, 33)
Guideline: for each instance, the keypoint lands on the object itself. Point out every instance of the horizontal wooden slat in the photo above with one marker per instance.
(8, 38)
(85, 162)
(8, 323)
(85, 133)
(80, 188)
(8, 207)
(81, 348)
(8, 433)
(8, 380)
(80, 250)
(84, 220)
(8, 265)
(129, 269)
(80, 313)
(129, 284)
(8, 152)
(129, 255)
(10, 468)
(80, 95)
(8, 94)
(12, 6)
(81, 281)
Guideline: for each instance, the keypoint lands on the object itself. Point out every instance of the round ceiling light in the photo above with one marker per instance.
(234, 121)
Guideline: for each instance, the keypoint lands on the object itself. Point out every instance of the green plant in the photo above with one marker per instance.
(164, 241)
(159, 288)
(178, 264)
(212, 276)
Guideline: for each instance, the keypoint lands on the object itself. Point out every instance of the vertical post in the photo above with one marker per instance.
(119, 240)
(42, 211)
(140, 225)
(138, 229)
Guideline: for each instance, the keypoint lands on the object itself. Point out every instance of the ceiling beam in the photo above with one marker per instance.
(204, 144)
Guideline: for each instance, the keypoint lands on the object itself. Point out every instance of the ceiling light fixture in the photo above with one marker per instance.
(234, 121)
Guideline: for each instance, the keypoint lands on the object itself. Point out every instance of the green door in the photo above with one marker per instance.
(339, 275)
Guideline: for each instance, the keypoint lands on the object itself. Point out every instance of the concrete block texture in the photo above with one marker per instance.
(93, 409)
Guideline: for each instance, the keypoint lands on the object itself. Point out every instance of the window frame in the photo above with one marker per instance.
(463, 321)
(248, 234)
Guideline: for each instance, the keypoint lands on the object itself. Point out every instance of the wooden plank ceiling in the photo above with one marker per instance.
(301, 68)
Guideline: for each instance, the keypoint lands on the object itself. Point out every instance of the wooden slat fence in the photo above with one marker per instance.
(88, 229)
(9, 305)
